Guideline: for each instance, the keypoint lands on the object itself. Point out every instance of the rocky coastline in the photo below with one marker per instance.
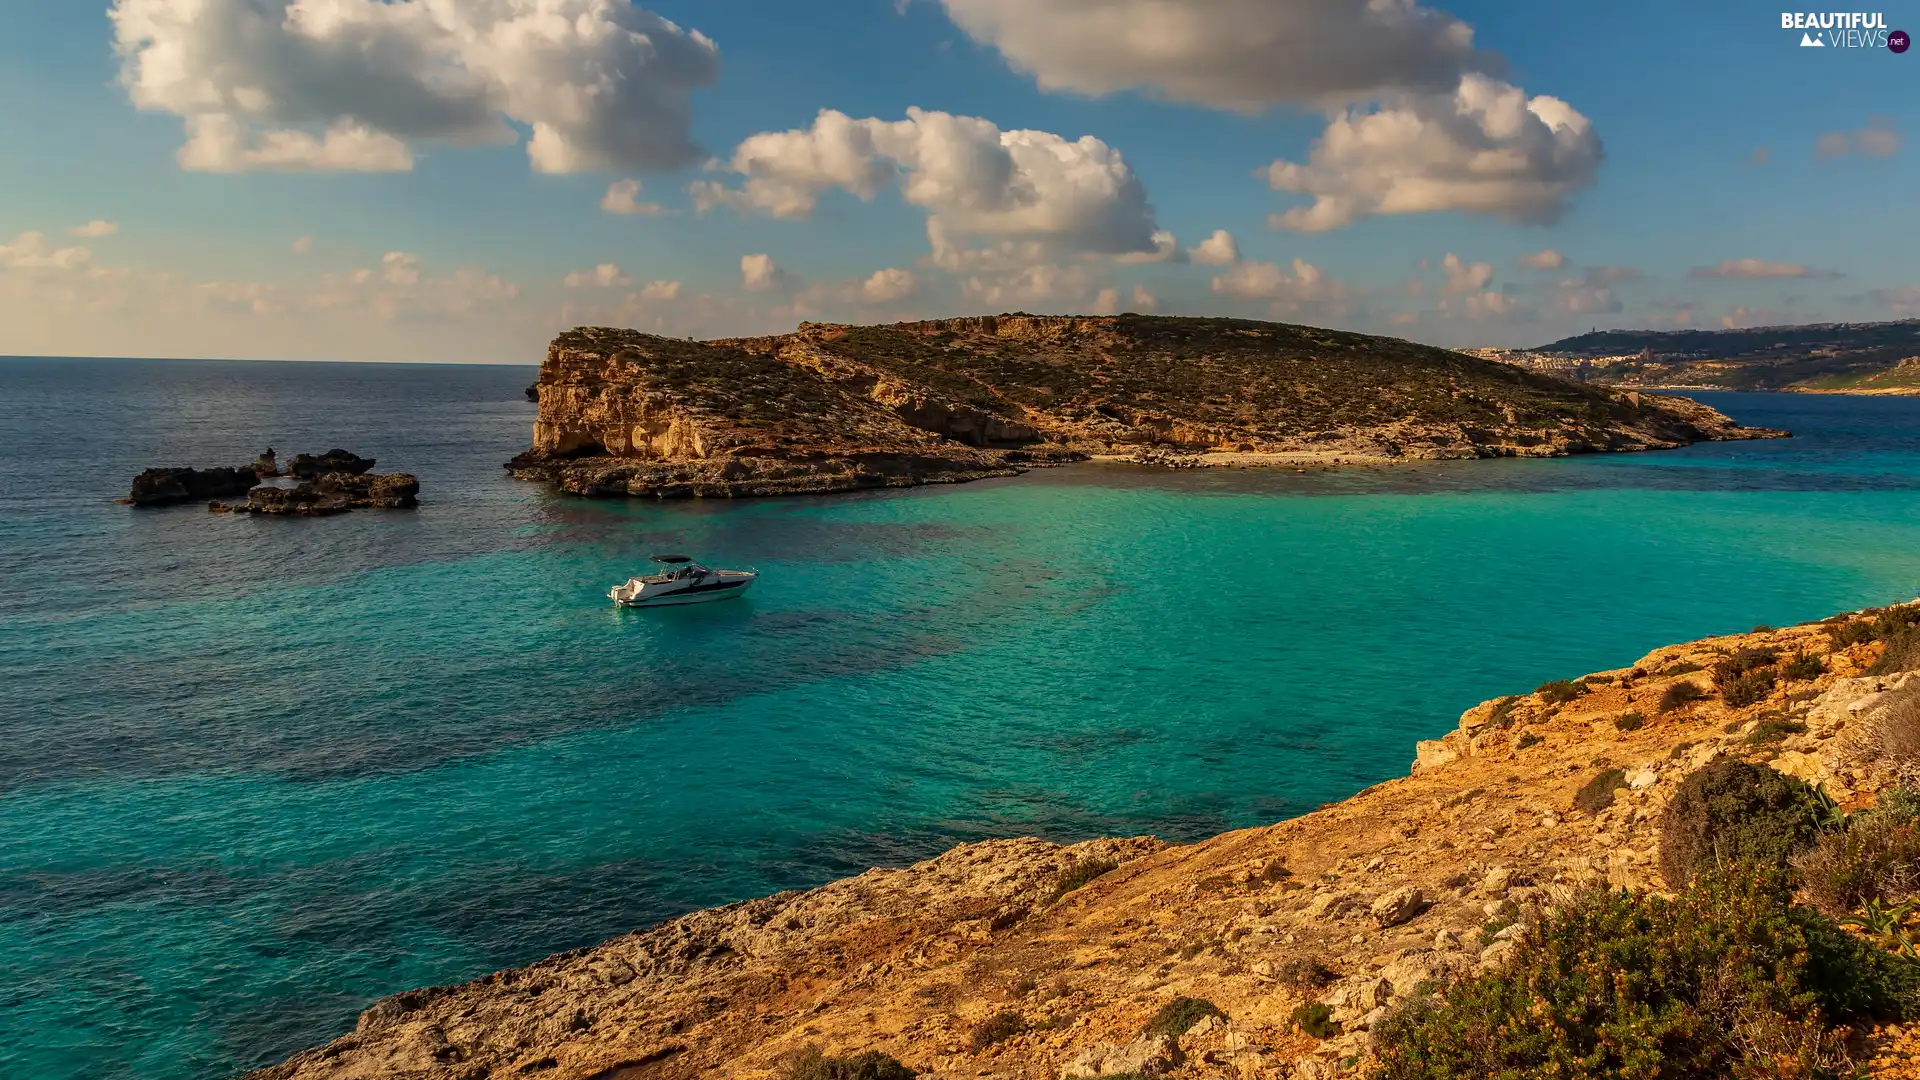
(1277, 950)
(836, 408)
(313, 485)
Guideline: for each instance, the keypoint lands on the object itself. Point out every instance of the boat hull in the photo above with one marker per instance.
(699, 594)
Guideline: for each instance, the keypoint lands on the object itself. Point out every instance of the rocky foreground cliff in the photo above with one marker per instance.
(832, 408)
(1276, 951)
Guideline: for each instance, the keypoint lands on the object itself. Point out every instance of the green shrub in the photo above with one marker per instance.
(1889, 742)
(1742, 661)
(1850, 632)
(1803, 666)
(1315, 1019)
(1733, 811)
(1559, 691)
(1680, 695)
(1749, 689)
(1632, 721)
(811, 1064)
(1528, 738)
(1079, 874)
(1597, 794)
(1900, 653)
(1900, 803)
(1774, 729)
(1726, 980)
(1875, 859)
(1503, 916)
(997, 1028)
(1303, 973)
(1685, 667)
(1176, 1016)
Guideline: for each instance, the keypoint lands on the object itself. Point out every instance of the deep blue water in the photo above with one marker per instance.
(256, 773)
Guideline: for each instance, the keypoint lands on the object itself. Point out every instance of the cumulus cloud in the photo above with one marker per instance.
(759, 273)
(302, 245)
(1465, 277)
(1166, 249)
(889, 285)
(1220, 249)
(351, 85)
(30, 251)
(974, 179)
(1306, 287)
(660, 291)
(603, 276)
(401, 288)
(1543, 260)
(1144, 300)
(1244, 55)
(95, 229)
(1487, 149)
(623, 197)
(1038, 284)
(1758, 268)
(1744, 317)
(1877, 139)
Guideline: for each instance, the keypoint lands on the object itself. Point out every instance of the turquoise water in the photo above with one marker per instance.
(254, 774)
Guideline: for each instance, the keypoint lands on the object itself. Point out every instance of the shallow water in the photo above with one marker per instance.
(255, 773)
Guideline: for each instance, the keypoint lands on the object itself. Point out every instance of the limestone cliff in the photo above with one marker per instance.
(835, 407)
(1352, 906)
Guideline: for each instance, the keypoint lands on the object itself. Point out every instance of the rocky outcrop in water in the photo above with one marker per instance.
(830, 407)
(328, 494)
(309, 466)
(174, 486)
(1353, 908)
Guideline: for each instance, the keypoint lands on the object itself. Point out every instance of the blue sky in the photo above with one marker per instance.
(1714, 171)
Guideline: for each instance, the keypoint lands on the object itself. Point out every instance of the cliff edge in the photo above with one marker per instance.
(1022, 958)
(830, 407)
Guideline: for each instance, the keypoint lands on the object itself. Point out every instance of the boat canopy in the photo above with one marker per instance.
(674, 559)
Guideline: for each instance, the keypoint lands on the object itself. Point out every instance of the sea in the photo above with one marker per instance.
(257, 773)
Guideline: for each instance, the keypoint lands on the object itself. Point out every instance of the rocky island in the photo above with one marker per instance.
(1642, 872)
(314, 485)
(832, 408)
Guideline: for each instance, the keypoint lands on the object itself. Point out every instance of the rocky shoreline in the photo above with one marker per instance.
(836, 408)
(1023, 958)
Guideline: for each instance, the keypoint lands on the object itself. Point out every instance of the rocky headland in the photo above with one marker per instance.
(1309, 948)
(313, 485)
(832, 408)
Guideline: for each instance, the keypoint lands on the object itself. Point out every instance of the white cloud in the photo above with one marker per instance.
(302, 245)
(400, 288)
(1077, 196)
(623, 197)
(1743, 317)
(1107, 302)
(1220, 249)
(1486, 148)
(759, 273)
(95, 229)
(30, 251)
(1306, 287)
(1465, 277)
(350, 85)
(890, 285)
(1758, 268)
(1581, 298)
(1042, 283)
(603, 276)
(1877, 139)
(1244, 55)
(660, 291)
(1543, 260)
(1144, 300)
(1496, 305)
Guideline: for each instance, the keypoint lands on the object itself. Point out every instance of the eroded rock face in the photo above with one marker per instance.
(308, 466)
(331, 493)
(834, 407)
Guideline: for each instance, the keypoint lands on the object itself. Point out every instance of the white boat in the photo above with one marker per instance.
(681, 581)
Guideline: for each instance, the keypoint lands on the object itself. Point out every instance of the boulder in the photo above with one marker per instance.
(1356, 996)
(1433, 753)
(309, 466)
(1149, 1055)
(1398, 906)
(171, 487)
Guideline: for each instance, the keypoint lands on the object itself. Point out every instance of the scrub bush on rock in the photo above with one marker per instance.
(1733, 811)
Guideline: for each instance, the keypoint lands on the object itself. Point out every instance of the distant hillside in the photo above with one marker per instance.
(833, 407)
(1829, 357)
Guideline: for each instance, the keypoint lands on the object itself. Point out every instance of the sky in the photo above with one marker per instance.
(458, 180)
